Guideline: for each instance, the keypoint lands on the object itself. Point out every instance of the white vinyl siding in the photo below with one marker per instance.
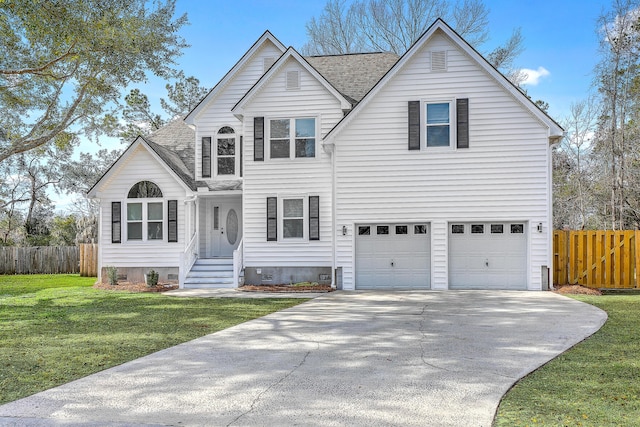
(502, 176)
(218, 112)
(145, 252)
(292, 177)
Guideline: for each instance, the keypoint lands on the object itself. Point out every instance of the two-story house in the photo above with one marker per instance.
(367, 171)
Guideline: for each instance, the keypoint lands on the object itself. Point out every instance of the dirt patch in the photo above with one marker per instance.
(576, 290)
(286, 288)
(136, 287)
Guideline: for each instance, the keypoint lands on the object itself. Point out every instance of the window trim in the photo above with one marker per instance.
(292, 138)
(145, 220)
(214, 152)
(452, 123)
(305, 218)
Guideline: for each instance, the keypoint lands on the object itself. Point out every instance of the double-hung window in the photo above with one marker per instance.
(292, 138)
(293, 218)
(438, 123)
(145, 216)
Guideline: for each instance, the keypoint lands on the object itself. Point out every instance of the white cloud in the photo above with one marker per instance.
(532, 77)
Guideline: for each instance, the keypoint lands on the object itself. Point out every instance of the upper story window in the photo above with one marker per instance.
(145, 217)
(226, 152)
(292, 138)
(438, 124)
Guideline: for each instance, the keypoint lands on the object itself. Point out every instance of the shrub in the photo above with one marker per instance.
(112, 275)
(152, 278)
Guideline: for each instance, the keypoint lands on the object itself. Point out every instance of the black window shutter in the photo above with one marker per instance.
(314, 217)
(206, 157)
(172, 218)
(462, 122)
(116, 225)
(414, 125)
(258, 139)
(241, 155)
(272, 219)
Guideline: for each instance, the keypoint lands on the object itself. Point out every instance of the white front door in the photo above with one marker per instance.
(222, 229)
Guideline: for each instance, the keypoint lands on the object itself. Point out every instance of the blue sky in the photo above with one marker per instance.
(558, 36)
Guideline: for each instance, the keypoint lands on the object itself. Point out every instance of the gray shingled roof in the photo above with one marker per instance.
(352, 75)
(355, 74)
(174, 143)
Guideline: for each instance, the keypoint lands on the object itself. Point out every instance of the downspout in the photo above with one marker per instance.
(329, 148)
(555, 141)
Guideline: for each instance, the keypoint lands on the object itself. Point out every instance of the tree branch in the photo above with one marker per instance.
(38, 70)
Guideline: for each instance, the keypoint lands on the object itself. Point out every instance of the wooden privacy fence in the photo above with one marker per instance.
(597, 259)
(81, 259)
(89, 259)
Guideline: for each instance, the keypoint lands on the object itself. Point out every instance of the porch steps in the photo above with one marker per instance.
(210, 273)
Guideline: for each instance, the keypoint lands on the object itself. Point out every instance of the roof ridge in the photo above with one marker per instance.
(350, 54)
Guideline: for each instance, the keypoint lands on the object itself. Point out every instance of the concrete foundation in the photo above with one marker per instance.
(136, 274)
(286, 275)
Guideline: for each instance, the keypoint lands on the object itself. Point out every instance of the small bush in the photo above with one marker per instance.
(152, 278)
(112, 275)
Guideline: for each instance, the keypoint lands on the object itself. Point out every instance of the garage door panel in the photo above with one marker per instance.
(487, 260)
(400, 259)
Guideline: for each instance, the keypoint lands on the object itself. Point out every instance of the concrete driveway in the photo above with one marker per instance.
(357, 358)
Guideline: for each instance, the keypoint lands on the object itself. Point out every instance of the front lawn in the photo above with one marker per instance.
(597, 383)
(54, 329)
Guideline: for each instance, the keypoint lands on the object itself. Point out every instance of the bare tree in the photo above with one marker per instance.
(616, 74)
(573, 182)
(394, 25)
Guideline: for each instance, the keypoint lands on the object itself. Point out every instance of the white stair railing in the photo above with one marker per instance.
(238, 263)
(187, 259)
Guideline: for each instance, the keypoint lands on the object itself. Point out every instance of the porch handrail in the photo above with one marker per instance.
(238, 263)
(187, 259)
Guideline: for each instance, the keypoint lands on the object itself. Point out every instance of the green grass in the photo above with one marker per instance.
(597, 383)
(54, 329)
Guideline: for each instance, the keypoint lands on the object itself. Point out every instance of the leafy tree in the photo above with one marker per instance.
(63, 230)
(138, 116)
(183, 96)
(64, 63)
(394, 25)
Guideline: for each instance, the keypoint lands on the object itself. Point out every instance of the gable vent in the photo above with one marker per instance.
(293, 80)
(439, 60)
(267, 62)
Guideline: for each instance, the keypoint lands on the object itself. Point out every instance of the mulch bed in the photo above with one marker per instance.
(576, 290)
(136, 287)
(286, 288)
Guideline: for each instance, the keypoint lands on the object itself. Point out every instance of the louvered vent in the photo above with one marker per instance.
(267, 62)
(293, 80)
(439, 60)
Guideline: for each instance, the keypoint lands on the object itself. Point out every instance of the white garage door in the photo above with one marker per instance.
(487, 255)
(393, 256)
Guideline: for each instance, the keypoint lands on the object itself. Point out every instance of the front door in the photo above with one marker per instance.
(223, 229)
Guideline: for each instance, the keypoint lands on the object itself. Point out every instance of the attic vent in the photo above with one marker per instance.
(293, 80)
(439, 60)
(267, 62)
